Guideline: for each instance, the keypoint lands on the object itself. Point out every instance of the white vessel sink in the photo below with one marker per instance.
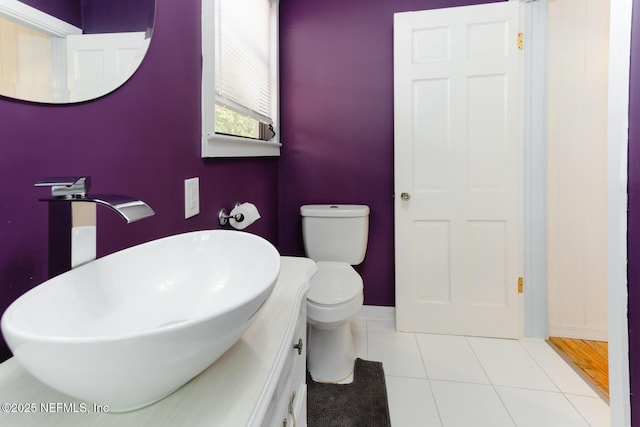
(128, 329)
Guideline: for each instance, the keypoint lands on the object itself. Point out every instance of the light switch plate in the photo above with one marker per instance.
(191, 197)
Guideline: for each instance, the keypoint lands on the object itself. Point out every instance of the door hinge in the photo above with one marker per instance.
(520, 285)
(520, 41)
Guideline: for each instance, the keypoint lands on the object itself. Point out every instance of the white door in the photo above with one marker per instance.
(457, 170)
(99, 63)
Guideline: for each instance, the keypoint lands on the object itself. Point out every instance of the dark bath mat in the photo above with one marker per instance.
(363, 403)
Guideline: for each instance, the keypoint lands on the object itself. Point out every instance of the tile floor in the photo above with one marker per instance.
(453, 381)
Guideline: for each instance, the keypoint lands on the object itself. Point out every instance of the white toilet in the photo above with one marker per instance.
(335, 236)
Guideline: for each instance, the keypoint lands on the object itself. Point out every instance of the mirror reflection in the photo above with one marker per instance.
(65, 51)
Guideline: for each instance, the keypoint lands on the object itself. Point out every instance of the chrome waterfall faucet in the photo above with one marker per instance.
(67, 190)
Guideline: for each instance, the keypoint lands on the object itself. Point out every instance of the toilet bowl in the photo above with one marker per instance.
(335, 236)
(335, 296)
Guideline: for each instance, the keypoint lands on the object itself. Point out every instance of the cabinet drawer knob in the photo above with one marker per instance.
(299, 346)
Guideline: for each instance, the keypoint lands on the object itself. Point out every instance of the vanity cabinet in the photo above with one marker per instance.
(260, 381)
(288, 407)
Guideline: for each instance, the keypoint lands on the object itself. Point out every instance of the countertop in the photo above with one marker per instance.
(233, 391)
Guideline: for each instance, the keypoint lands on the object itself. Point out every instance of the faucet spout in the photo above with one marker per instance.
(68, 190)
(129, 208)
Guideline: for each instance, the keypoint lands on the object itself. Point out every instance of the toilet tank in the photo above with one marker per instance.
(335, 232)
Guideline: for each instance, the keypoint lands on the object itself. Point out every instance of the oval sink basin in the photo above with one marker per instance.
(130, 328)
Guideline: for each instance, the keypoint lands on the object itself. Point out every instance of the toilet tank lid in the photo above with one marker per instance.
(335, 210)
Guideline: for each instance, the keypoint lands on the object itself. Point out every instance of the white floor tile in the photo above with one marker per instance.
(564, 377)
(397, 351)
(507, 363)
(535, 408)
(593, 409)
(448, 357)
(526, 378)
(464, 405)
(411, 402)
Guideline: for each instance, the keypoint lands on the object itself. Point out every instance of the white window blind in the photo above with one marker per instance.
(243, 57)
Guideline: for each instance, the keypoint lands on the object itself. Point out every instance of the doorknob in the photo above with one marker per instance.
(405, 196)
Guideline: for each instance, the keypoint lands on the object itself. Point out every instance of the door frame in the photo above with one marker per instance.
(535, 254)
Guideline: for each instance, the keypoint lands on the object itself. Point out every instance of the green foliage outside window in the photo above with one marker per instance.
(231, 123)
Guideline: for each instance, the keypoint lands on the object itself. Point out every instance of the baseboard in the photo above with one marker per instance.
(581, 333)
(375, 312)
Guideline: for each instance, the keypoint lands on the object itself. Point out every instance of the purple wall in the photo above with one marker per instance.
(67, 10)
(633, 232)
(114, 16)
(337, 119)
(142, 140)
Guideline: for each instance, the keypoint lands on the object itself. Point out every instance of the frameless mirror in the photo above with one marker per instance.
(65, 51)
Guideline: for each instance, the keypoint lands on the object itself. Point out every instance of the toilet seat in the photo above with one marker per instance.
(334, 283)
(335, 294)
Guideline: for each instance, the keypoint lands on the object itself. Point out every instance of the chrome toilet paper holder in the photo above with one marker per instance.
(224, 216)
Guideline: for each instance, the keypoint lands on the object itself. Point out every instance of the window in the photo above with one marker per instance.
(240, 78)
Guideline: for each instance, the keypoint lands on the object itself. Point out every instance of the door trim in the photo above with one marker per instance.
(617, 162)
(536, 307)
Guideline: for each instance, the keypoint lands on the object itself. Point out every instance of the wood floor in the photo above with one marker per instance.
(589, 358)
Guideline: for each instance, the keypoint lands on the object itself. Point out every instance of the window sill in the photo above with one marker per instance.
(232, 146)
